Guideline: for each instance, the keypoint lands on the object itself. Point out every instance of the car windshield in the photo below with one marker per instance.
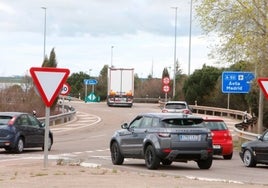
(215, 125)
(173, 123)
(175, 106)
(4, 120)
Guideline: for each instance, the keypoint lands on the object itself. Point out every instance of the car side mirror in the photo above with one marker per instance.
(259, 137)
(124, 126)
(42, 124)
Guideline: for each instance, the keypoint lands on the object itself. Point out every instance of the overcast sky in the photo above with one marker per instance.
(84, 31)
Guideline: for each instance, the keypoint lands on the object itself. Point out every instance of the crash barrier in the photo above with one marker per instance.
(240, 128)
(67, 114)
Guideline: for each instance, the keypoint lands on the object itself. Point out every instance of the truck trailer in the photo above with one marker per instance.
(120, 87)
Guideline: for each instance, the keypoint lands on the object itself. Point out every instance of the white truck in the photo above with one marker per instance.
(120, 86)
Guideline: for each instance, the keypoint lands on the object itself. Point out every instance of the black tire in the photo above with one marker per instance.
(19, 146)
(228, 157)
(49, 144)
(8, 149)
(166, 162)
(248, 159)
(117, 157)
(152, 161)
(205, 164)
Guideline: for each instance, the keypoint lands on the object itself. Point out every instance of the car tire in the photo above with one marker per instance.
(228, 157)
(152, 161)
(117, 157)
(205, 164)
(166, 162)
(8, 149)
(49, 144)
(19, 146)
(248, 159)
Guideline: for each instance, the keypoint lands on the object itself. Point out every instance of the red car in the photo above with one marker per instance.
(221, 137)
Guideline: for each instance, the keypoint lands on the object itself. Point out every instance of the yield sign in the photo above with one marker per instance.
(49, 82)
(263, 82)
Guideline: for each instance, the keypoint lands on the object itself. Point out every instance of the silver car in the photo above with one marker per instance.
(163, 138)
(177, 107)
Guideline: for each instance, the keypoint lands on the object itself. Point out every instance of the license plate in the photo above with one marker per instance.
(216, 147)
(189, 137)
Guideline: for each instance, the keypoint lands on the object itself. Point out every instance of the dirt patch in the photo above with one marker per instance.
(31, 174)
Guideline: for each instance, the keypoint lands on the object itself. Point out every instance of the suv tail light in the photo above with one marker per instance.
(209, 136)
(186, 111)
(11, 122)
(164, 111)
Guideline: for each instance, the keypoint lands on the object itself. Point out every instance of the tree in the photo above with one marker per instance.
(52, 61)
(165, 73)
(101, 87)
(242, 27)
(200, 84)
(76, 81)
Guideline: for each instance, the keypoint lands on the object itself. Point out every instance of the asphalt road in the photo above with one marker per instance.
(86, 140)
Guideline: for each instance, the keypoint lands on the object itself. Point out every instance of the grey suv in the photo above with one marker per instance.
(163, 137)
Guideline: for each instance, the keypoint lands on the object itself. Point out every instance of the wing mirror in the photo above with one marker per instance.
(124, 126)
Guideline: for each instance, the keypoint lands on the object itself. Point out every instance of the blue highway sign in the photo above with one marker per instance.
(236, 82)
(90, 81)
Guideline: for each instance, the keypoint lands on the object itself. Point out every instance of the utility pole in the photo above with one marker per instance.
(175, 49)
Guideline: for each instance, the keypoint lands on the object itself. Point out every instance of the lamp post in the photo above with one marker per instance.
(112, 47)
(174, 77)
(190, 38)
(45, 20)
(47, 108)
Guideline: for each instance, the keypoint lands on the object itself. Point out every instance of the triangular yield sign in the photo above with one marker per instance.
(49, 82)
(263, 82)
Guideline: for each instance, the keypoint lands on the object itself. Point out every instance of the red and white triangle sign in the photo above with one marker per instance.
(49, 82)
(263, 82)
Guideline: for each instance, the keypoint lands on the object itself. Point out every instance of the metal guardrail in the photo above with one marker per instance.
(61, 118)
(245, 135)
(236, 114)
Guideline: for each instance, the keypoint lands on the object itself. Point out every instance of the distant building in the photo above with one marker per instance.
(6, 82)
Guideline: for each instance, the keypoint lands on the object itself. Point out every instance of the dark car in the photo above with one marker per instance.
(177, 107)
(221, 137)
(20, 130)
(256, 151)
(163, 138)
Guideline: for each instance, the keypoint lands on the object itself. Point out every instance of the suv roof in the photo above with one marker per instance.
(171, 115)
(176, 103)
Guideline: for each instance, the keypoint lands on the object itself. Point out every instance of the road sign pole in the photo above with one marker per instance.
(62, 105)
(228, 101)
(85, 93)
(46, 137)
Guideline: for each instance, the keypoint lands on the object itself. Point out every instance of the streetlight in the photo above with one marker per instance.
(47, 108)
(174, 79)
(45, 20)
(190, 38)
(112, 47)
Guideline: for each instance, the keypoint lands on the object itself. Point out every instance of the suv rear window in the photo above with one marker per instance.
(173, 123)
(4, 120)
(175, 106)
